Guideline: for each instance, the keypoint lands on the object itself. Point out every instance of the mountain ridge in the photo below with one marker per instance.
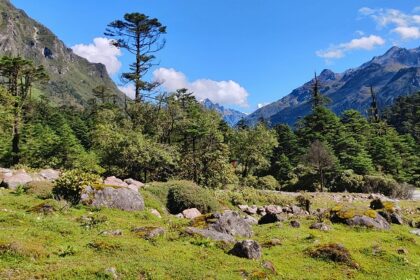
(230, 116)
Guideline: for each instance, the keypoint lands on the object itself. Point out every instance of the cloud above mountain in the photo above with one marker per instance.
(223, 92)
(100, 51)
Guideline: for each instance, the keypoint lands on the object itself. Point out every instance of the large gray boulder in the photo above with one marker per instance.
(15, 179)
(191, 213)
(379, 222)
(232, 223)
(211, 234)
(49, 174)
(111, 197)
(270, 218)
(249, 249)
(114, 181)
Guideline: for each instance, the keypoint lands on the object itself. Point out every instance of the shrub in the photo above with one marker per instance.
(249, 181)
(267, 183)
(333, 252)
(347, 181)
(304, 201)
(386, 186)
(41, 189)
(185, 194)
(70, 185)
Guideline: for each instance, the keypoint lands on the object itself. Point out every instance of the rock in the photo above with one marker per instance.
(296, 210)
(180, 215)
(273, 242)
(251, 210)
(136, 183)
(249, 249)
(191, 213)
(116, 232)
(116, 182)
(149, 232)
(112, 271)
(119, 198)
(155, 213)
(273, 209)
(402, 251)
(414, 224)
(211, 234)
(231, 223)
(270, 218)
(415, 231)
(19, 178)
(393, 218)
(320, 226)
(376, 204)
(379, 222)
(261, 211)
(295, 224)
(243, 207)
(251, 220)
(49, 174)
(270, 266)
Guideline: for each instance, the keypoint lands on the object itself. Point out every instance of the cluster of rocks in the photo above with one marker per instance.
(12, 179)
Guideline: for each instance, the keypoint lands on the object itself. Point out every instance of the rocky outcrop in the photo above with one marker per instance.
(232, 223)
(249, 249)
(11, 179)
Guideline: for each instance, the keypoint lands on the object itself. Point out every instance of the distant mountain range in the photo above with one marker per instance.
(391, 75)
(230, 116)
(72, 77)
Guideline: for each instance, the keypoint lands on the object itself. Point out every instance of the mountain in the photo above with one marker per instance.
(394, 74)
(230, 116)
(72, 77)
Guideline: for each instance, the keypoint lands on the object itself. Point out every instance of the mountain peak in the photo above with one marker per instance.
(327, 75)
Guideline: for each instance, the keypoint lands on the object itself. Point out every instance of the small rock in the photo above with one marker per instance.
(112, 271)
(191, 213)
(414, 224)
(273, 242)
(249, 249)
(180, 215)
(273, 209)
(155, 213)
(320, 226)
(211, 234)
(261, 210)
(402, 251)
(270, 218)
(251, 210)
(295, 224)
(149, 232)
(243, 207)
(116, 232)
(270, 266)
(415, 231)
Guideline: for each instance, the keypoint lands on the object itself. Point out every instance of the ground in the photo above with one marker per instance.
(67, 244)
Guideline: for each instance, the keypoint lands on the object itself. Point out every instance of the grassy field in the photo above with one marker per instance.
(67, 244)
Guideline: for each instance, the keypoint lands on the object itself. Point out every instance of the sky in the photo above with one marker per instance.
(240, 53)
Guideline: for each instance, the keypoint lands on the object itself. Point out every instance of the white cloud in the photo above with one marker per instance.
(362, 43)
(100, 51)
(407, 26)
(222, 92)
(128, 90)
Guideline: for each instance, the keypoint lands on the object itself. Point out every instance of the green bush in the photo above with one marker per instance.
(386, 186)
(70, 185)
(40, 189)
(268, 183)
(347, 181)
(185, 194)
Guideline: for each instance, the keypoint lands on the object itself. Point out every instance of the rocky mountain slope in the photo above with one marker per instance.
(71, 76)
(230, 116)
(393, 74)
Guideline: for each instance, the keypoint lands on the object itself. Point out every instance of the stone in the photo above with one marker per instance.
(402, 251)
(270, 266)
(136, 183)
(261, 210)
(251, 220)
(19, 178)
(270, 218)
(112, 271)
(295, 224)
(230, 222)
(320, 226)
(273, 209)
(243, 207)
(191, 213)
(155, 213)
(49, 174)
(114, 181)
(271, 243)
(415, 231)
(396, 219)
(116, 232)
(296, 210)
(251, 210)
(109, 197)
(248, 249)
(149, 232)
(379, 222)
(180, 215)
(211, 234)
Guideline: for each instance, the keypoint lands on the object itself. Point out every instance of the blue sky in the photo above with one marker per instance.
(240, 52)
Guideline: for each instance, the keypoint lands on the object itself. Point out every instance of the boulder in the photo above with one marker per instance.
(270, 218)
(415, 231)
(249, 249)
(211, 234)
(116, 182)
(155, 213)
(251, 210)
(110, 197)
(251, 220)
(270, 266)
(191, 213)
(231, 223)
(273, 209)
(49, 174)
(320, 226)
(295, 224)
(243, 207)
(148, 232)
(393, 218)
(19, 178)
(379, 222)
(136, 183)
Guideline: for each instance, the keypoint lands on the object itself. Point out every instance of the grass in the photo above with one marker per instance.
(67, 244)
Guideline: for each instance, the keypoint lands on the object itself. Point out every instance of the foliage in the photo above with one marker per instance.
(184, 194)
(267, 183)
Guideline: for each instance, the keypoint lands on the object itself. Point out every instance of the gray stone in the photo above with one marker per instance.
(116, 182)
(49, 174)
(119, 198)
(273, 209)
(134, 182)
(149, 232)
(415, 231)
(112, 271)
(320, 226)
(251, 210)
(211, 234)
(191, 213)
(249, 249)
(231, 223)
(243, 207)
(180, 215)
(379, 222)
(295, 224)
(155, 213)
(116, 232)
(19, 178)
(270, 218)
(251, 220)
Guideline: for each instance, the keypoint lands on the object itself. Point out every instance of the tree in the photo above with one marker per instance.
(317, 98)
(102, 93)
(373, 110)
(18, 76)
(141, 36)
(321, 158)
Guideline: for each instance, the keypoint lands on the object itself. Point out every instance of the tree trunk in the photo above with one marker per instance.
(16, 135)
